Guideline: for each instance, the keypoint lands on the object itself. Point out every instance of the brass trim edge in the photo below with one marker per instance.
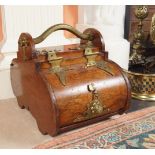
(143, 96)
(140, 74)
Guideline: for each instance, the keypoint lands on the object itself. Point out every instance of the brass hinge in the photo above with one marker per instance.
(91, 56)
(55, 62)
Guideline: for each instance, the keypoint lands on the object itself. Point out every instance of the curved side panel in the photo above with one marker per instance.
(32, 93)
(128, 88)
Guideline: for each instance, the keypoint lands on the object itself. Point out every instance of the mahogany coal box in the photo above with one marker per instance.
(71, 86)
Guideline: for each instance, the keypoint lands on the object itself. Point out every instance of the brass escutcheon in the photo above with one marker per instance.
(94, 108)
(91, 56)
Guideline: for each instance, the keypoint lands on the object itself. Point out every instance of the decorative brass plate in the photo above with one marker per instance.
(55, 61)
(23, 43)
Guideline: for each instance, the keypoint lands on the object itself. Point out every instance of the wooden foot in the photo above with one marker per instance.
(21, 106)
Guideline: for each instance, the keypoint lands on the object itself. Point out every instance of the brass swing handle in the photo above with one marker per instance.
(57, 27)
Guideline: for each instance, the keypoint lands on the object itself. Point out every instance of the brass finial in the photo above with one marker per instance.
(138, 47)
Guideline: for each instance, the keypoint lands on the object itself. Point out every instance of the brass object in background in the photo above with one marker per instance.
(143, 82)
(138, 47)
(142, 85)
(141, 12)
(152, 29)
